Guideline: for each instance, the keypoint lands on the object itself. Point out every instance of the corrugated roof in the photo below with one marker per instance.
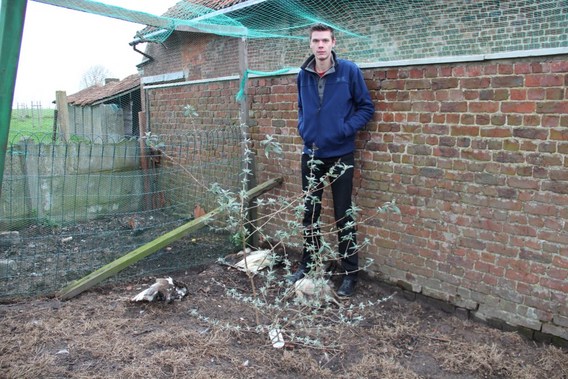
(96, 94)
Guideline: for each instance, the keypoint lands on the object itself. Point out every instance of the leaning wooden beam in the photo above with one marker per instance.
(134, 256)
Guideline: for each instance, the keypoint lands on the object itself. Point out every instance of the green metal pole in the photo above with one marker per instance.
(12, 15)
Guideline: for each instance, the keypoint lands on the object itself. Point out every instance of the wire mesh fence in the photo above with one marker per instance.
(69, 208)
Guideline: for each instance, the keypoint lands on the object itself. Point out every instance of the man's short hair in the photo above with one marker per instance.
(321, 28)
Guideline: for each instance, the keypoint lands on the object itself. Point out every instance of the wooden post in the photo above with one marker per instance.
(54, 126)
(62, 114)
(243, 67)
(147, 198)
(244, 121)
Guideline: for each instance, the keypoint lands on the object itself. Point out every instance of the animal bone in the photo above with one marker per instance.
(309, 291)
(255, 260)
(165, 289)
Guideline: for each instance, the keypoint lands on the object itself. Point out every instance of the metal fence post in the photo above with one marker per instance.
(12, 15)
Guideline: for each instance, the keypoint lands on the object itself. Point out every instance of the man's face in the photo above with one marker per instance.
(321, 44)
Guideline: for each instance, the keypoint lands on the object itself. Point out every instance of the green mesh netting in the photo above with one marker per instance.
(370, 30)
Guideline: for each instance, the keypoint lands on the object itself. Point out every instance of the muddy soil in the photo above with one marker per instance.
(212, 333)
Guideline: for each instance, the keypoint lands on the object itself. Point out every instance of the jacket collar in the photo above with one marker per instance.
(309, 64)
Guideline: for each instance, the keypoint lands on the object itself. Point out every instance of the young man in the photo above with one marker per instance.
(333, 104)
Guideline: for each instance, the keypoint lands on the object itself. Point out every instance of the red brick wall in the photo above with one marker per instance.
(204, 145)
(197, 55)
(476, 157)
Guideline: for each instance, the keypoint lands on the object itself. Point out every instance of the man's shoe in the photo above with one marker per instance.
(347, 287)
(299, 274)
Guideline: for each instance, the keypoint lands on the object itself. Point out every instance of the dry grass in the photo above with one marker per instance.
(553, 359)
(102, 335)
(483, 360)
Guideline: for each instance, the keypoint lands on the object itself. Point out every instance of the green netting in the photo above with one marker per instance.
(369, 30)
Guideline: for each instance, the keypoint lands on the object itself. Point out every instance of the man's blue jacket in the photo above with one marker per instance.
(328, 124)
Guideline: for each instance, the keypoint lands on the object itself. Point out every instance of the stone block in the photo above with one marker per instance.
(490, 312)
(555, 330)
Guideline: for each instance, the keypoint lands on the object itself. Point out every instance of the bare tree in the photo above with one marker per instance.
(95, 76)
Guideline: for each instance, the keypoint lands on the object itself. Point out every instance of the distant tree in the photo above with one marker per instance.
(95, 76)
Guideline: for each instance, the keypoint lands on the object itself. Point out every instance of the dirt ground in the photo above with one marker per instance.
(212, 334)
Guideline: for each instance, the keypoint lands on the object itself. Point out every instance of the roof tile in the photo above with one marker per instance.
(93, 94)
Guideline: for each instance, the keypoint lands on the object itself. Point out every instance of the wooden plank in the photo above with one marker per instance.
(134, 256)
(62, 114)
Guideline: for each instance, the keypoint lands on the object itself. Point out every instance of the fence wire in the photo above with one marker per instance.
(69, 208)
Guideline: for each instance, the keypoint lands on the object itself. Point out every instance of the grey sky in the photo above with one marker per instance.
(60, 44)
